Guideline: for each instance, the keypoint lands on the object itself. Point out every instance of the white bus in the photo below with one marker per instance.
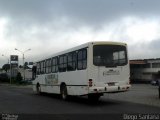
(90, 69)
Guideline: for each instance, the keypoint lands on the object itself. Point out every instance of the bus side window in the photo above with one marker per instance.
(55, 64)
(48, 66)
(82, 59)
(42, 67)
(38, 68)
(34, 72)
(62, 63)
(71, 61)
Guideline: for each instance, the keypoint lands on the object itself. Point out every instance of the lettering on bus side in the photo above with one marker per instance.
(51, 79)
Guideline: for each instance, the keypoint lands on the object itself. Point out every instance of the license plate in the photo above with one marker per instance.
(111, 84)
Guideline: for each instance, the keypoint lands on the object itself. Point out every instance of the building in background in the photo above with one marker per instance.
(28, 73)
(144, 70)
(28, 70)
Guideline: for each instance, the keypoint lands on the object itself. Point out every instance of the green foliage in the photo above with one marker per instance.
(6, 67)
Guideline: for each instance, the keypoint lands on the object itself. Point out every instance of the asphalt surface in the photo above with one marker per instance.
(21, 101)
(139, 93)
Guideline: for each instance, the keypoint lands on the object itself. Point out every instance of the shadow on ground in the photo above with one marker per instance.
(83, 100)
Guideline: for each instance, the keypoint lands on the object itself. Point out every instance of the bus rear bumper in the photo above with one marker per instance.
(109, 89)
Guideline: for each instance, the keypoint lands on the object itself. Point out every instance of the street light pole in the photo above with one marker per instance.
(23, 60)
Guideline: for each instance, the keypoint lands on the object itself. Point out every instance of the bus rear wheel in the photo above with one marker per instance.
(64, 93)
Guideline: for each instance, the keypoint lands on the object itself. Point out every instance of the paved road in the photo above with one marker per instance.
(139, 93)
(21, 100)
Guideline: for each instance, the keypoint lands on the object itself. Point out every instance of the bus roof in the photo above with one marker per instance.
(83, 46)
(109, 43)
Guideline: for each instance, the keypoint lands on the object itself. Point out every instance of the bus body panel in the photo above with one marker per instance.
(108, 79)
(76, 82)
(105, 81)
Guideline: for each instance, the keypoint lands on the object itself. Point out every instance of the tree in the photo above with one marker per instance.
(6, 67)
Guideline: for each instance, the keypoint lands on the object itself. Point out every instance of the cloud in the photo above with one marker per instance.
(154, 48)
(93, 12)
(145, 50)
(50, 26)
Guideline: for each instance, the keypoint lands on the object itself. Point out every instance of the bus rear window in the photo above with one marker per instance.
(109, 55)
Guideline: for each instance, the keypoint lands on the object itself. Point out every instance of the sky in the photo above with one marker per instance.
(50, 26)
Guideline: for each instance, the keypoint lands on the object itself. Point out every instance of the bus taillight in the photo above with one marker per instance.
(90, 82)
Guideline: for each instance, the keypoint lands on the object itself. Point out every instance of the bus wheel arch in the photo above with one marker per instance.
(63, 91)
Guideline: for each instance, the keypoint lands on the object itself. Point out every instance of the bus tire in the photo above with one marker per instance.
(38, 89)
(64, 93)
